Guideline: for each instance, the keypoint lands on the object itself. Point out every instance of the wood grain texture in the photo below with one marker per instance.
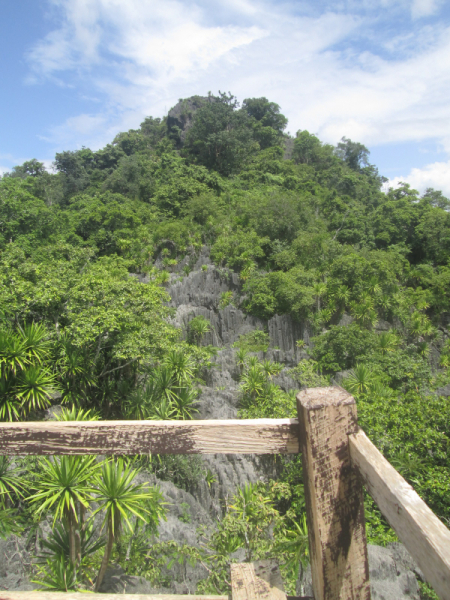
(253, 436)
(5, 595)
(425, 537)
(333, 492)
(260, 580)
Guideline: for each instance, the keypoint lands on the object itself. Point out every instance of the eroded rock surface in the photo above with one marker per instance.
(392, 574)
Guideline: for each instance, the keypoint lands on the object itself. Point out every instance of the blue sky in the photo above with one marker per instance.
(76, 72)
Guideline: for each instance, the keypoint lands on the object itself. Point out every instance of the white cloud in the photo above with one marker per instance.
(424, 8)
(334, 72)
(75, 129)
(435, 175)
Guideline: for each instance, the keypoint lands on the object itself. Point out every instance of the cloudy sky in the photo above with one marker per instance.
(76, 72)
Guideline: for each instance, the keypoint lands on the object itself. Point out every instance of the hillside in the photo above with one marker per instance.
(208, 265)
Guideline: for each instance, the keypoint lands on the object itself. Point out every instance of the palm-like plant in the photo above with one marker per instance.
(36, 342)
(360, 379)
(163, 410)
(254, 509)
(164, 382)
(8, 523)
(319, 290)
(34, 388)
(271, 368)
(120, 500)
(198, 328)
(11, 481)
(387, 342)
(13, 354)
(58, 543)
(77, 414)
(58, 575)
(343, 294)
(423, 349)
(253, 382)
(253, 361)
(384, 302)
(66, 485)
(9, 405)
(25, 384)
(138, 404)
(184, 402)
(241, 356)
(75, 373)
(445, 361)
(295, 545)
(373, 285)
(364, 311)
(163, 277)
(181, 365)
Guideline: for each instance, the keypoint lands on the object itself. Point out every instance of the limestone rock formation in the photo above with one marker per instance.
(392, 574)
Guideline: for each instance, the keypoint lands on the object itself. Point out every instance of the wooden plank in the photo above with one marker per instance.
(258, 436)
(260, 580)
(424, 535)
(42, 595)
(333, 492)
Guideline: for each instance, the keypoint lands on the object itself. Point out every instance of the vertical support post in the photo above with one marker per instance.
(334, 499)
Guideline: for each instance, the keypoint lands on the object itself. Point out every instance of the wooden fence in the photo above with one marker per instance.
(338, 459)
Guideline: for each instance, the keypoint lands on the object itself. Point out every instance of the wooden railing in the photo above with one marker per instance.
(337, 459)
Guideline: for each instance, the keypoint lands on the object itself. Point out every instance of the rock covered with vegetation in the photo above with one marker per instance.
(207, 264)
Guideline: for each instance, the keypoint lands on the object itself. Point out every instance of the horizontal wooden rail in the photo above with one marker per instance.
(425, 537)
(42, 595)
(252, 436)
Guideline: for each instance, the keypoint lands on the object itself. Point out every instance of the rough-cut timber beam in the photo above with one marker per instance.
(253, 436)
(425, 537)
(5, 595)
(333, 494)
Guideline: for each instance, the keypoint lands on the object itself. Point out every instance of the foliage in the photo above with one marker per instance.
(254, 522)
(253, 341)
(307, 374)
(120, 500)
(312, 236)
(185, 471)
(198, 327)
(26, 382)
(59, 575)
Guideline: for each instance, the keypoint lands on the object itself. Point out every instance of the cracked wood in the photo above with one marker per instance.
(260, 580)
(43, 595)
(253, 436)
(425, 537)
(333, 494)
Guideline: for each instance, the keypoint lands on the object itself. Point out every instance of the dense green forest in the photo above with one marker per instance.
(309, 232)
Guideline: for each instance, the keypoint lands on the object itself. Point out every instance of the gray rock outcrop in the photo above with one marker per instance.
(15, 561)
(392, 574)
(180, 117)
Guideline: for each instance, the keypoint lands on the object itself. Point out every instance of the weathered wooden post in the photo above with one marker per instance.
(334, 499)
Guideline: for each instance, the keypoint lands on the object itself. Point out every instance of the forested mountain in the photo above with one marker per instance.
(309, 233)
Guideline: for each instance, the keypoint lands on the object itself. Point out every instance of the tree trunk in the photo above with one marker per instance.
(71, 523)
(79, 530)
(78, 544)
(106, 556)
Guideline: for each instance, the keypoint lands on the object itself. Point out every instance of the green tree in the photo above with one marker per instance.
(66, 485)
(220, 137)
(354, 154)
(30, 168)
(121, 500)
